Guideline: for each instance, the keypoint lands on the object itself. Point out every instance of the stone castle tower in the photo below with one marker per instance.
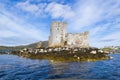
(57, 34)
(60, 38)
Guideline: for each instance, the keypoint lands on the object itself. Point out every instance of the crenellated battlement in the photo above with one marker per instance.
(58, 24)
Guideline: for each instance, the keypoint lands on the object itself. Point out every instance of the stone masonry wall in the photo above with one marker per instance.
(60, 38)
(77, 40)
(57, 34)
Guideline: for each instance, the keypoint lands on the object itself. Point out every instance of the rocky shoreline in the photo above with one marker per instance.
(62, 54)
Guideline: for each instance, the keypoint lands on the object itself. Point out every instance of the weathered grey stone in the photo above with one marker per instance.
(60, 38)
(57, 34)
(49, 50)
(93, 52)
(101, 51)
(45, 50)
(75, 49)
(41, 50)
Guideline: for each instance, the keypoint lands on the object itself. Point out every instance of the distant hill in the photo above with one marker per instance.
(33, 45)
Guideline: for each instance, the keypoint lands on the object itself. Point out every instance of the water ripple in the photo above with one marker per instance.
(16, 68)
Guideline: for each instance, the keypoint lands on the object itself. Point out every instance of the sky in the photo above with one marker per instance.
(27, 21)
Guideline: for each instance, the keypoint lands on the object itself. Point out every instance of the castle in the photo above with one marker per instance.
(60, 38)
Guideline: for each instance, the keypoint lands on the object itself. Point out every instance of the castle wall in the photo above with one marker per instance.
(77, 40)
(58, 32)
(86, 39)
(60, 38)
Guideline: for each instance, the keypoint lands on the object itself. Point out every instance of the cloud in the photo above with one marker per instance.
(107, 40)
(16, 31)
(35, 9)
(91, 12)
(53, 9)
(81, 14)
(100, 17)
(57, 10)
(28, 7)
(113, 35)
(111, 39)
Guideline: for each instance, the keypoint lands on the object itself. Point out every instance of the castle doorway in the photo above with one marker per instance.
(65, 43)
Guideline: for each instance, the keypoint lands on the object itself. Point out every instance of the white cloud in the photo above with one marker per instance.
(112, 35)
(100, 17)
(34, 9)
(14, 28)
(28, 7)
(80, 15)
(57, 10)
(90, 12)
(111, 39)
(7, 33)
(102, 35)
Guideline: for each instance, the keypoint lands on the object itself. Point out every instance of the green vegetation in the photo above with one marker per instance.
(33, 45)
(107, 49)
(17, 47)
(119, 48)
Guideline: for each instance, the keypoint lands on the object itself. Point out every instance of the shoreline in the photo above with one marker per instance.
(66, 55)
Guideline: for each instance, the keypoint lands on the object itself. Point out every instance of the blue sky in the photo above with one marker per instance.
(28, 21)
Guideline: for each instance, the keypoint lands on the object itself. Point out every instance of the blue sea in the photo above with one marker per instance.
(13, 67)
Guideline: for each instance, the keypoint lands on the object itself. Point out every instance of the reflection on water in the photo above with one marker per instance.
(17, 68)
